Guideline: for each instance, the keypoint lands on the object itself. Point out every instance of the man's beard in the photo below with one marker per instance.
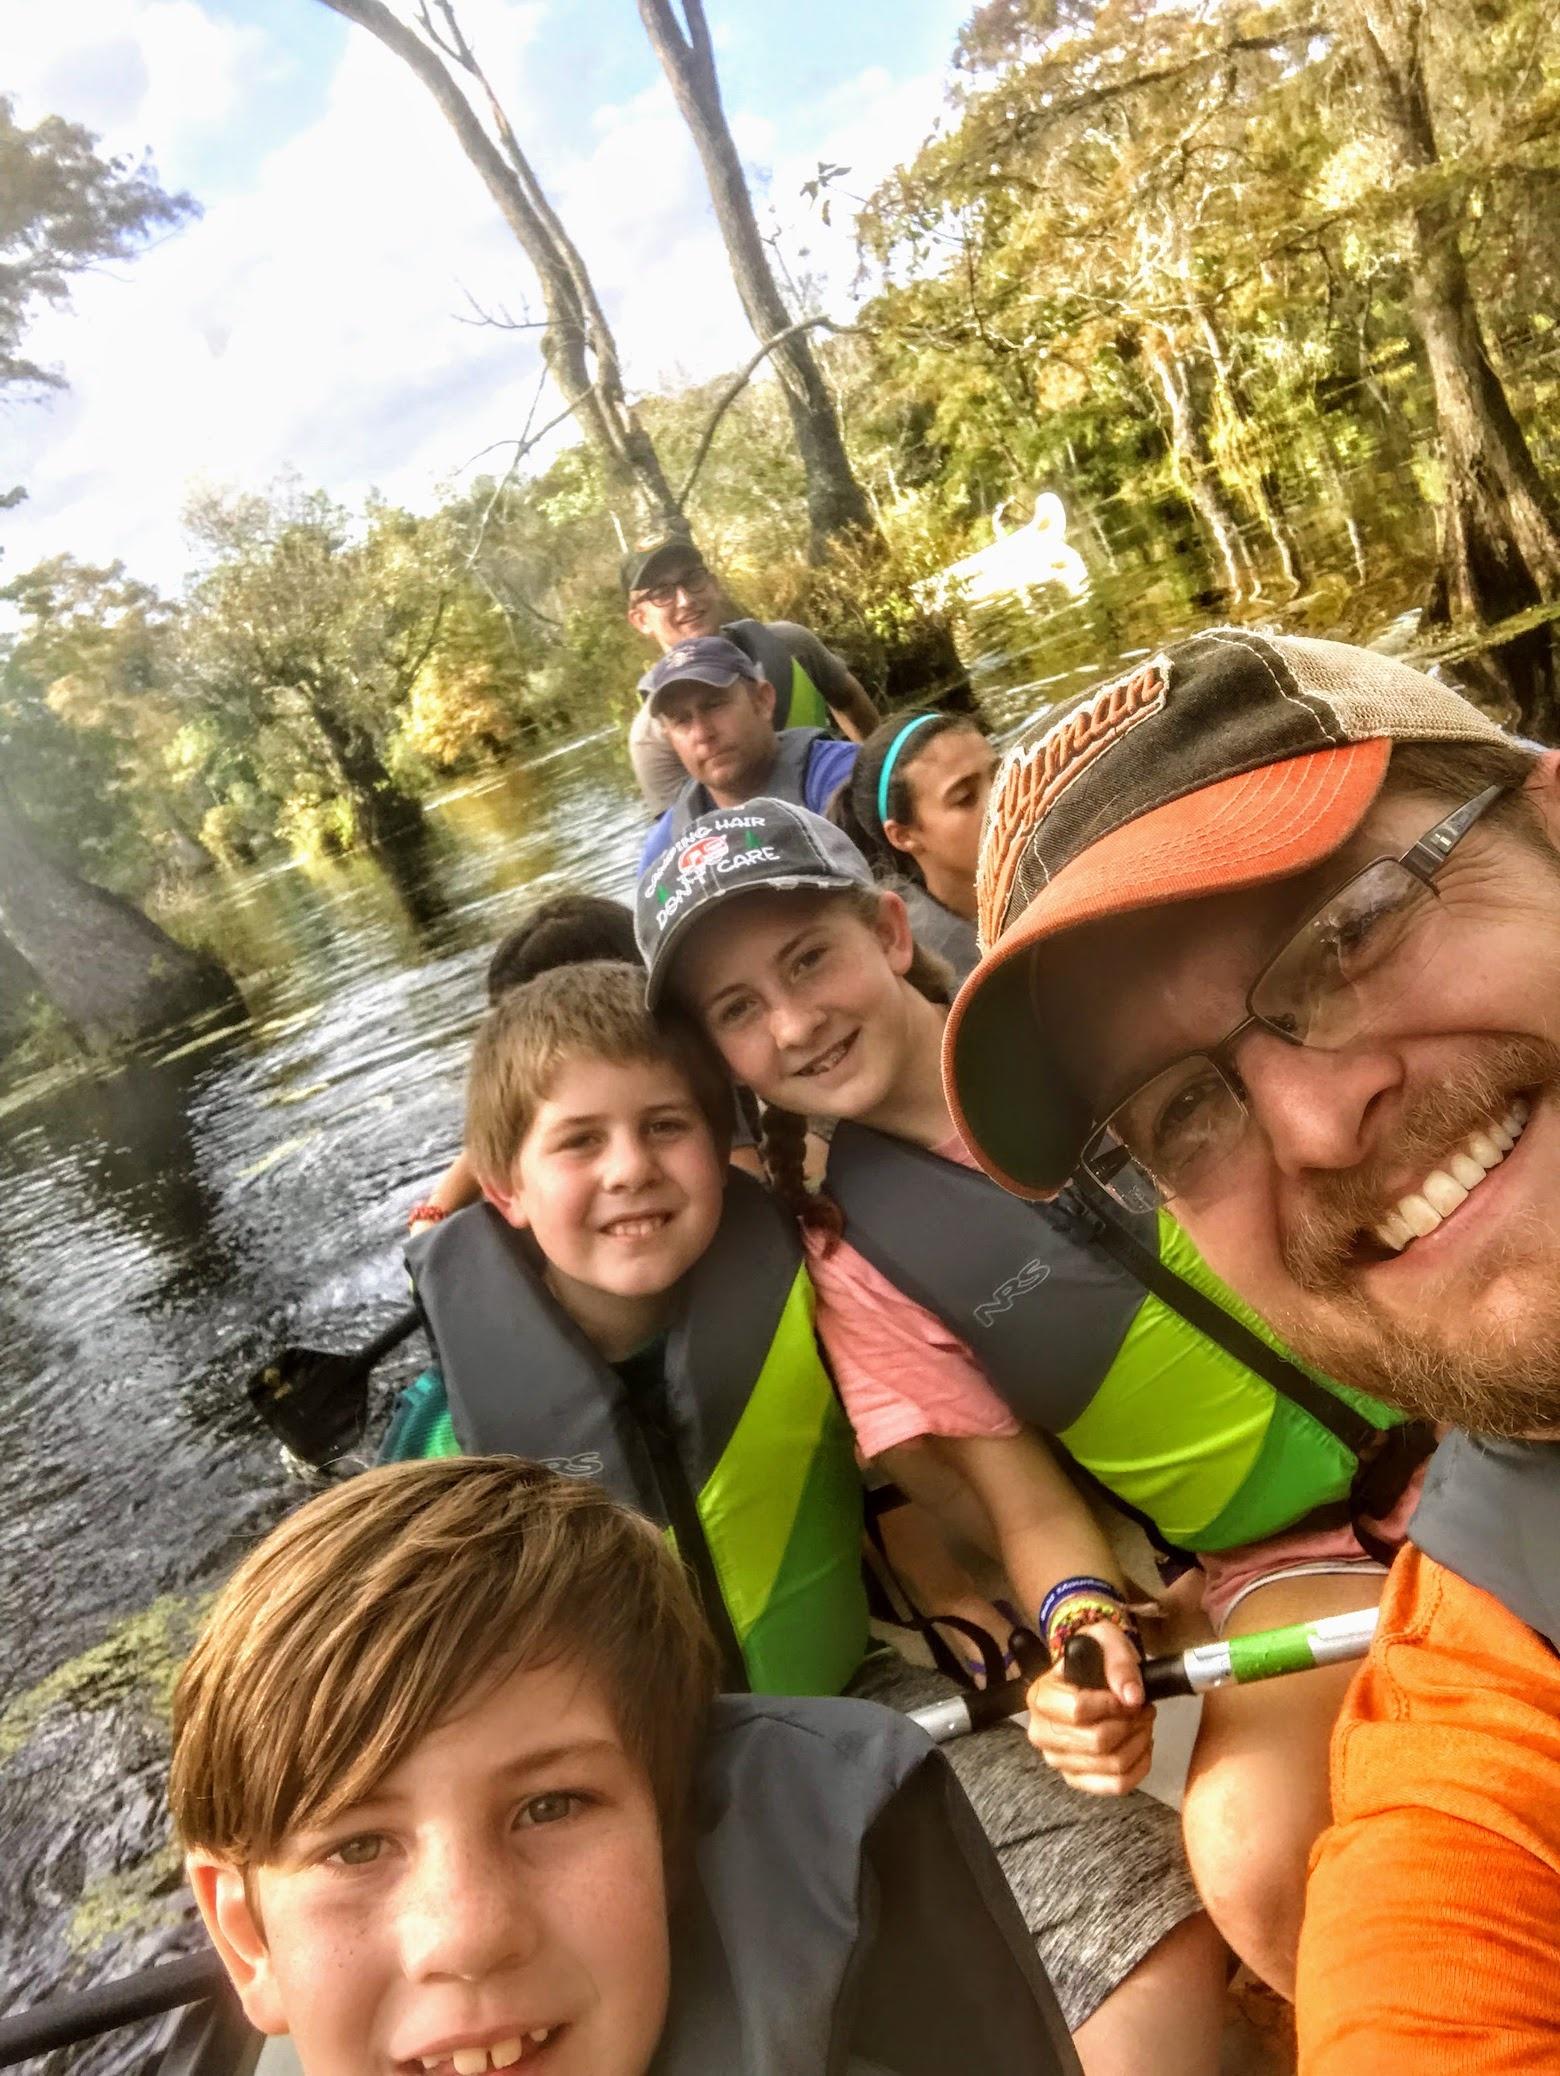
(1493, 1379)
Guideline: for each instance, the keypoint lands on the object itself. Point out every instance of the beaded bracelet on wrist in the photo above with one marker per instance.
(1084, 1615)
(426, 1214)
(1069, 1589)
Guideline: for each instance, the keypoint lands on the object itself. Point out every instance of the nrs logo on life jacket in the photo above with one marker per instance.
(1001, 1300)
(589, 1465)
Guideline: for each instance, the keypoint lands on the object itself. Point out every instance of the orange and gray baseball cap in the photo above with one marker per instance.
(1227, 760)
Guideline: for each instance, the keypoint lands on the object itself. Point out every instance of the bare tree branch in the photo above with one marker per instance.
(739, 382)
(503, 322)
(577, 342)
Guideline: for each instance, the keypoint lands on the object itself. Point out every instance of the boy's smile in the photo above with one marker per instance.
(497, 1901)
(621, 1184)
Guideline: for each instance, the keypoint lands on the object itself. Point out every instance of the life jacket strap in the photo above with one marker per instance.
(1383, 1477)
(1340, 1419)
(891, 1602)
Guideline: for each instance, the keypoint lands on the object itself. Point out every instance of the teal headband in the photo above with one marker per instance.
(916, 721)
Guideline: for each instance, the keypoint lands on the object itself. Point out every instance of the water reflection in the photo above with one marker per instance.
(162, 1226)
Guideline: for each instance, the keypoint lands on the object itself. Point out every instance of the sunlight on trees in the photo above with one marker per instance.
(1201, 268)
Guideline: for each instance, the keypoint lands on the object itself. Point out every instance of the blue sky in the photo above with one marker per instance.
(309, 321)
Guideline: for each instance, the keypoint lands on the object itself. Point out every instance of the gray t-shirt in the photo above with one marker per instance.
(951, 936)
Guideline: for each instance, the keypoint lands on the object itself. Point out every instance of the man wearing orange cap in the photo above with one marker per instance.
(1270, 929)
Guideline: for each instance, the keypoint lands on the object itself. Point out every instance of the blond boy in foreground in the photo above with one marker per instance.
(446, 1755)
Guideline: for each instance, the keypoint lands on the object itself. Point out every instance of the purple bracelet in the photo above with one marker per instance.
(1065, 1589)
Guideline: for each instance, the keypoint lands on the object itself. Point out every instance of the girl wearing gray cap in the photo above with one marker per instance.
(1101, 1879)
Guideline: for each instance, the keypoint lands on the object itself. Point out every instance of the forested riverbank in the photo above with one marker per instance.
(1219, 276)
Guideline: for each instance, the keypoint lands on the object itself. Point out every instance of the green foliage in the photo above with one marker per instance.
(1152, 257)
(62, 209)
(1157, 249)
(87, 720)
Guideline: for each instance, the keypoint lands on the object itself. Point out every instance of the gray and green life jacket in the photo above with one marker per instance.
(798, 701)
(1117, 1340)
(787, 780)
(1490, 1512)
(733, 1440)
(844, 1914)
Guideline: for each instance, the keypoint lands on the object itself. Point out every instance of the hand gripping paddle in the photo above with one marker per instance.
(1330, 1640)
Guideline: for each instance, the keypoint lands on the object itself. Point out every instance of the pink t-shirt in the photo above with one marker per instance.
(901, 1373)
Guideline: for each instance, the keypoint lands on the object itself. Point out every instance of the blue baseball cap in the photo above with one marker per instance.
(708, 659)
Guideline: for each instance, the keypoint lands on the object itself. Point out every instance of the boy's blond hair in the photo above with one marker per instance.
(594, 1011)
(381, 1606)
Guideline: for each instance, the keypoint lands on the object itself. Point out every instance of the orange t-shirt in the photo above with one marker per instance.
(1431, 1944)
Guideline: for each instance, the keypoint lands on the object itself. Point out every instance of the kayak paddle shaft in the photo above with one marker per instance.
(1332, 1640)
(1239, 1660)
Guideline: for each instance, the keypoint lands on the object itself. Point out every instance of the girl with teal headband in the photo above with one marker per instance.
(915, 805)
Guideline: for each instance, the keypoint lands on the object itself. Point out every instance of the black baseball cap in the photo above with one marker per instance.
(1227, 760)
(656, 562)
(735, 851)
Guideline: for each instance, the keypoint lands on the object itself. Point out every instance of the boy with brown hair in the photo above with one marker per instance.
(446, 1756)
(624, 1307)
(568, 929)
(430, 1756)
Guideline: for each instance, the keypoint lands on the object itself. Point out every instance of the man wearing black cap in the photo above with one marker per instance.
(718, 712)
(672, 598)
(1270, 931)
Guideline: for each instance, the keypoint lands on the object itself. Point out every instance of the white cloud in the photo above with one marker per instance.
(160, 72)
(309, 319)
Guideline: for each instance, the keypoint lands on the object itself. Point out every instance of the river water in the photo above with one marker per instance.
(164, 1225)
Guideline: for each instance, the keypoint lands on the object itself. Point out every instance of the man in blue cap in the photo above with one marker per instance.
(672, 597)
(718, 713)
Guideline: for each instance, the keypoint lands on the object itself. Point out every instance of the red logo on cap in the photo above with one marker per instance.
(704, 852)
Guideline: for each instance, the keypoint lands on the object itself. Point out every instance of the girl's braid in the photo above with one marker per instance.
(784, 1149)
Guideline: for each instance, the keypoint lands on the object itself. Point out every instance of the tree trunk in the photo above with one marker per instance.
(383, 813)
(1500, 528)
(108, 969)
(18, 986)
(1194, 461)
(577, 342)
(836, 502)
